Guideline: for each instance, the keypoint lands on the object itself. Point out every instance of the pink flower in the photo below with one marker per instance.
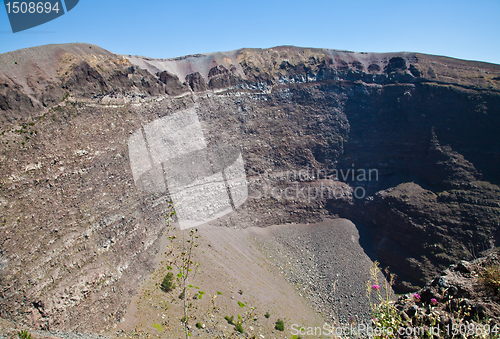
(376, 287)
(434, 301)
(416, 296)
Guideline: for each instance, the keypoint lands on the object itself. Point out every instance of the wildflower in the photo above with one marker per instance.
(434, 301)
(416, 296)
(376, 287)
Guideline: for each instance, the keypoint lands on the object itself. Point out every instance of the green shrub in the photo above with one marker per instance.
(267, 315)
(490, 275)
(383, 311)
(199, 325)
(158, 327)
(238, 327)
(24, 335)
(280, 325)
(168, 284)
(229, 319)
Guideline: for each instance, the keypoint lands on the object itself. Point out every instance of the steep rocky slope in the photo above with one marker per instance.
(77, 235)
(34, 78)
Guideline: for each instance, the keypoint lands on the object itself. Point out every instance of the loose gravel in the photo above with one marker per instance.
(326, 264)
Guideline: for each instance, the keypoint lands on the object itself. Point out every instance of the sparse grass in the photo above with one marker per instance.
(239, 327)
(490, 275)
(383, 311)
(229, 319)
(158, 327)
(24, 335)
(429, 315)
(280, 325)
(168, 284)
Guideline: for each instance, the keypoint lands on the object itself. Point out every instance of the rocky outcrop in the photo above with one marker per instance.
(196, 82)
(34, 79)
(220, 77)
(461, 301)
(91, 82)
(12, 98)
(418, 232)
(172, 83)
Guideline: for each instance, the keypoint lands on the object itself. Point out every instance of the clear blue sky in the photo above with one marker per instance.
(166, 28)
